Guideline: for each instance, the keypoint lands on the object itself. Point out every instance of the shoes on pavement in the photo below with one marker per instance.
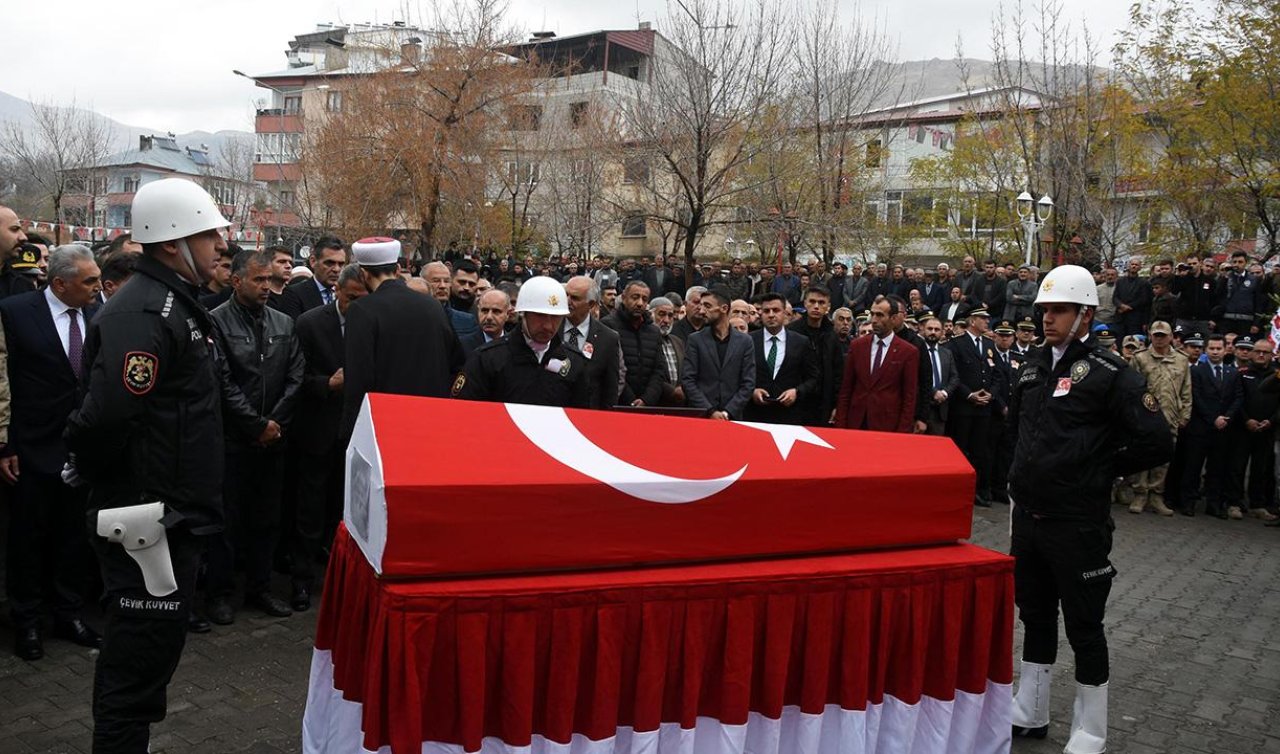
(981, 502)
(1273, 524)
(76, 632)
(269, 604)
(1234, 513)
(1263, 514)
(220, 611)
(1220, 514)
(301, 600)
(1157, 505)
(1136, 506)
(27, 644)
(198, 624)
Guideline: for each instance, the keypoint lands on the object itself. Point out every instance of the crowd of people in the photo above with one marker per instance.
(253, 381)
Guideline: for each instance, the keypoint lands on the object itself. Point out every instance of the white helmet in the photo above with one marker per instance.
(1068, 284)
(173, 208)
(542, 295)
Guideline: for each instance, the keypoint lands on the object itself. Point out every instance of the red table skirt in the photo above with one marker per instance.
(904, 650)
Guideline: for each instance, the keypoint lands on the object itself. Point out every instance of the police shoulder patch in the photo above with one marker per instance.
(1150, 403)
(564, 368)
(140, 370)
(1079, 371)
(459, 382)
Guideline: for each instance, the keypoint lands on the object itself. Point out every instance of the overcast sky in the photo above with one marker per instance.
(167, 65)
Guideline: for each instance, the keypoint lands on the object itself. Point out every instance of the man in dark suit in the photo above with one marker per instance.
(583, 332)
(934, 293)
(492, 308)
(1216, 399)
(327, 260)
(47, 543)
(315, 431)
(969, 420)
(660, 279)
(398, 340)
(719, 363)
(787, 370)
(818, 328)
(878, 391)
(943, 379)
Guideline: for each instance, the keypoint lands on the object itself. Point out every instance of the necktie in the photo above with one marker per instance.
(875, 366)
(772, 358)
(937, 373)
(574, 333)
(75, 344)
(326, 295)
(1217, 373)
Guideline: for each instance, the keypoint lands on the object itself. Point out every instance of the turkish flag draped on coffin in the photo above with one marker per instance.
(447, 487)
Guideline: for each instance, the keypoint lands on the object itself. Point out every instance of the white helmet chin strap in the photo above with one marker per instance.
(185, 251)
(1075, 326)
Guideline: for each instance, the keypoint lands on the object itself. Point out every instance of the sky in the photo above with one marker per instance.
(168, 65)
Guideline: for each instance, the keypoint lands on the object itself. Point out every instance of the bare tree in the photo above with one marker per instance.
(62, 149)
(721, 71)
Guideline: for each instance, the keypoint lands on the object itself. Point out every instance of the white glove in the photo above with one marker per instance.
(70, 476)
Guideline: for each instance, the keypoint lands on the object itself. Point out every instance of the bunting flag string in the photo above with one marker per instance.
(69, 233)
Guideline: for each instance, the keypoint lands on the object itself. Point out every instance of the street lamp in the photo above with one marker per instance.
(1033, 218)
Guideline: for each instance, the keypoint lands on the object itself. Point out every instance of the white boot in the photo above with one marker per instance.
(1089, 721)
(1031, 703)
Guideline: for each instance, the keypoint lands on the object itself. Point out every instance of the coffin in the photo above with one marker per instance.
(446, 488)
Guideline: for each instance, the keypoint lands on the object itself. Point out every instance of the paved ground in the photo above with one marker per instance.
(1195, 645)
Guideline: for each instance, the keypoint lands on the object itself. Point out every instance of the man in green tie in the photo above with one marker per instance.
(787, 369)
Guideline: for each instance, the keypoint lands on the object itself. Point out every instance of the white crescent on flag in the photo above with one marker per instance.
(551, 430)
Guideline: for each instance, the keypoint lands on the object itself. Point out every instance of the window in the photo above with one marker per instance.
(100, 185)
(871, 214)
(633, 226)
(635, 170)
(223, 192)
(523, 174)
(76, 184)
(525, 118)
(333, 101)
(130, 184)
(875, 153)
(292, 104)
(126, 217)
(286, 198)
(893, 208)
(917, 210)
(277, 147)
(578, 113)
(1148, 222)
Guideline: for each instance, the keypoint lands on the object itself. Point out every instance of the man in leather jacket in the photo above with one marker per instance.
(261, 376)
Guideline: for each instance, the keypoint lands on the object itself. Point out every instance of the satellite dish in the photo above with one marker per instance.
(305, 252)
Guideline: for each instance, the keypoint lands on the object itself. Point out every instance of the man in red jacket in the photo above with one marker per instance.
(878, 391)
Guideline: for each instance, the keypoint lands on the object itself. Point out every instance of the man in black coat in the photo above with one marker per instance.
(787, 370)
(492, 310)
(598, 344)
(47, 544)
(1133, 301)
(641, 343)
(973, 402)
(1216, 398)
(316, 426)
(819, 406)
(660, 279)
(398, 340)
(942, 380)
(327, 260)
(262, 372)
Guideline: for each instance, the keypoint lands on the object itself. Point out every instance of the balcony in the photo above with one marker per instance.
(278, 121)
(269, 172)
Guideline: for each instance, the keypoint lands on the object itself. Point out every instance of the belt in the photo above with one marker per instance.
(1237, 316)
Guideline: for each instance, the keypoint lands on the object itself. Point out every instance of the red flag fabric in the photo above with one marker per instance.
(888, 651)
(445, 487)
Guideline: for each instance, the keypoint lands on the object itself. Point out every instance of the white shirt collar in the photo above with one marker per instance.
(56, 307)
(781, 336)
(887, 340)
(582, 327)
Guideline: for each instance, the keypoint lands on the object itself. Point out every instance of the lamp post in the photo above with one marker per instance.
(1033, 217)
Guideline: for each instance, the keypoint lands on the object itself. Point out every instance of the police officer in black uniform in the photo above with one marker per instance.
(969, 417)
(532, 365)
(1082, 418)
(149, 430)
